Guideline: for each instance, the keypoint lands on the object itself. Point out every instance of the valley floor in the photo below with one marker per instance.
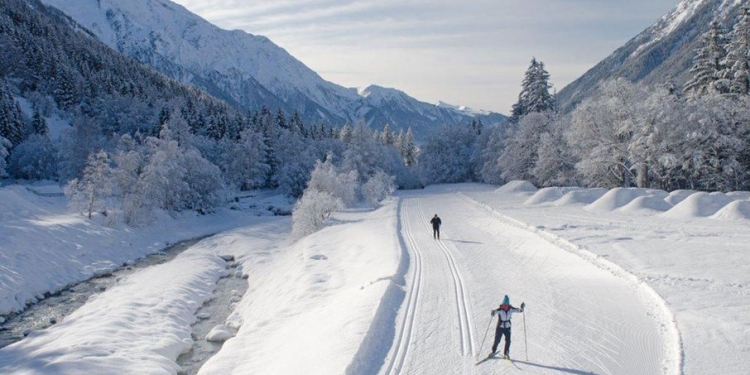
(607, 292)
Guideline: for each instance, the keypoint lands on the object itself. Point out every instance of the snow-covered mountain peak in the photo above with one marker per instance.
(246, 70)
(683, 12)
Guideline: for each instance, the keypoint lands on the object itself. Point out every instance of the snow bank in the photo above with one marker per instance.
(618, 197)
(549, 194)
(315, 299)
(700, 204)
(737, 210)
(141, 325)
(517, 186)
(580, 197)
(46, 248)
(646, 204)
(677, 196)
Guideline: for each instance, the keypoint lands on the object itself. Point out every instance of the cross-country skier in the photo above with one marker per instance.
(504, 313)
(436, 226)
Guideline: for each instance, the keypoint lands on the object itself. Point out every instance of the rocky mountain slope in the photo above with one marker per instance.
(661, 54)
(246, 70)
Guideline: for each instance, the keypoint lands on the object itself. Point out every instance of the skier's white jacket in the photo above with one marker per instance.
(505, 316)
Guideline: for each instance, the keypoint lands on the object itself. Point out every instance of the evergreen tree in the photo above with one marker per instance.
(11, 118)
(535, 95)
(387, 137)
(39, 124)
(4, 152)
(708, 62)
(737, 63)
(346, 134)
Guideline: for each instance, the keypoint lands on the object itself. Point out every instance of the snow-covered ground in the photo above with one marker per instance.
(626, 281)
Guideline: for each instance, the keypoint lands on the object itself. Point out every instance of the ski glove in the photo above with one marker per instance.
(493, 312)
(523, 304)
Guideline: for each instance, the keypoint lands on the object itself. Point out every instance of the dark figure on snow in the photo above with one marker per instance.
(436, 226)
(503, 325)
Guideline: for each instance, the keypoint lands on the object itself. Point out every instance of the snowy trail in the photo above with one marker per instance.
(580, 318)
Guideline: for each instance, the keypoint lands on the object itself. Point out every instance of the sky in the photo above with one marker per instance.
(468, 52)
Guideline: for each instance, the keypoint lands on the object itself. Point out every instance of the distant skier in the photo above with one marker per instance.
(504, 313)
(436, 226)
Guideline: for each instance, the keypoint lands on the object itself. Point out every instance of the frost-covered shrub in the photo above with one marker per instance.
(378, 187)
(312, 210)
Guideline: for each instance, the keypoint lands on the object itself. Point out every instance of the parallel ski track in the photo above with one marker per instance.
(462, 302)
(401, 346)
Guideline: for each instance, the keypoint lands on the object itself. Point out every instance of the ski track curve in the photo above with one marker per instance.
(461, 295)
(403, 339)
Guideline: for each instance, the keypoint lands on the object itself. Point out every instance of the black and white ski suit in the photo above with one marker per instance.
(503, 327)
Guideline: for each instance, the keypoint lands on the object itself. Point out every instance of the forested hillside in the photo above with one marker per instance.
(133, 140)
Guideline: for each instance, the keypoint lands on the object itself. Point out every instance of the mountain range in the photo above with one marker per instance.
(247, 70)
(660, 55)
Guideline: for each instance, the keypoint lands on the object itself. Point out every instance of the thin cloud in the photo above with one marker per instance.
(472, 52)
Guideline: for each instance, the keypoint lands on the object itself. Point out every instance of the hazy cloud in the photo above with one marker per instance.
(471, 52)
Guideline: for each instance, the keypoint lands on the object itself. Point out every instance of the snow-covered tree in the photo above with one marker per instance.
(601, 131)
(708, 62)
(244, 167)
(521, 150)
(407, 147)
(12, 126)
(490, 145)
(378, 187)
(555, 164)
(387, 137)
(90, 193)
(4, 152)
(34, 159)
(737, 63)
(76, 144)
(39, 124)
(446, 157)
(346, 133)
(535, 95)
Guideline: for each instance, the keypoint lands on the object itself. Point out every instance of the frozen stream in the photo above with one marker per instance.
(56, 307)
(229, 290)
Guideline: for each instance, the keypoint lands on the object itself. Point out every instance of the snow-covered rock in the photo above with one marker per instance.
(219, 333)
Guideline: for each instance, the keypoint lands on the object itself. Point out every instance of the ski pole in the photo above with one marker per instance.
(525, 342)
(485, 335)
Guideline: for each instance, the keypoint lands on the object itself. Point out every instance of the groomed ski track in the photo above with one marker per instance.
(580, 318)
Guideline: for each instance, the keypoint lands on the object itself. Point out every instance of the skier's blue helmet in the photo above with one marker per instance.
(506, 300)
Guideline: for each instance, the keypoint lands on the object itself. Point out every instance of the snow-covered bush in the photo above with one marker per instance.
(312, 210)
(377, 188)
